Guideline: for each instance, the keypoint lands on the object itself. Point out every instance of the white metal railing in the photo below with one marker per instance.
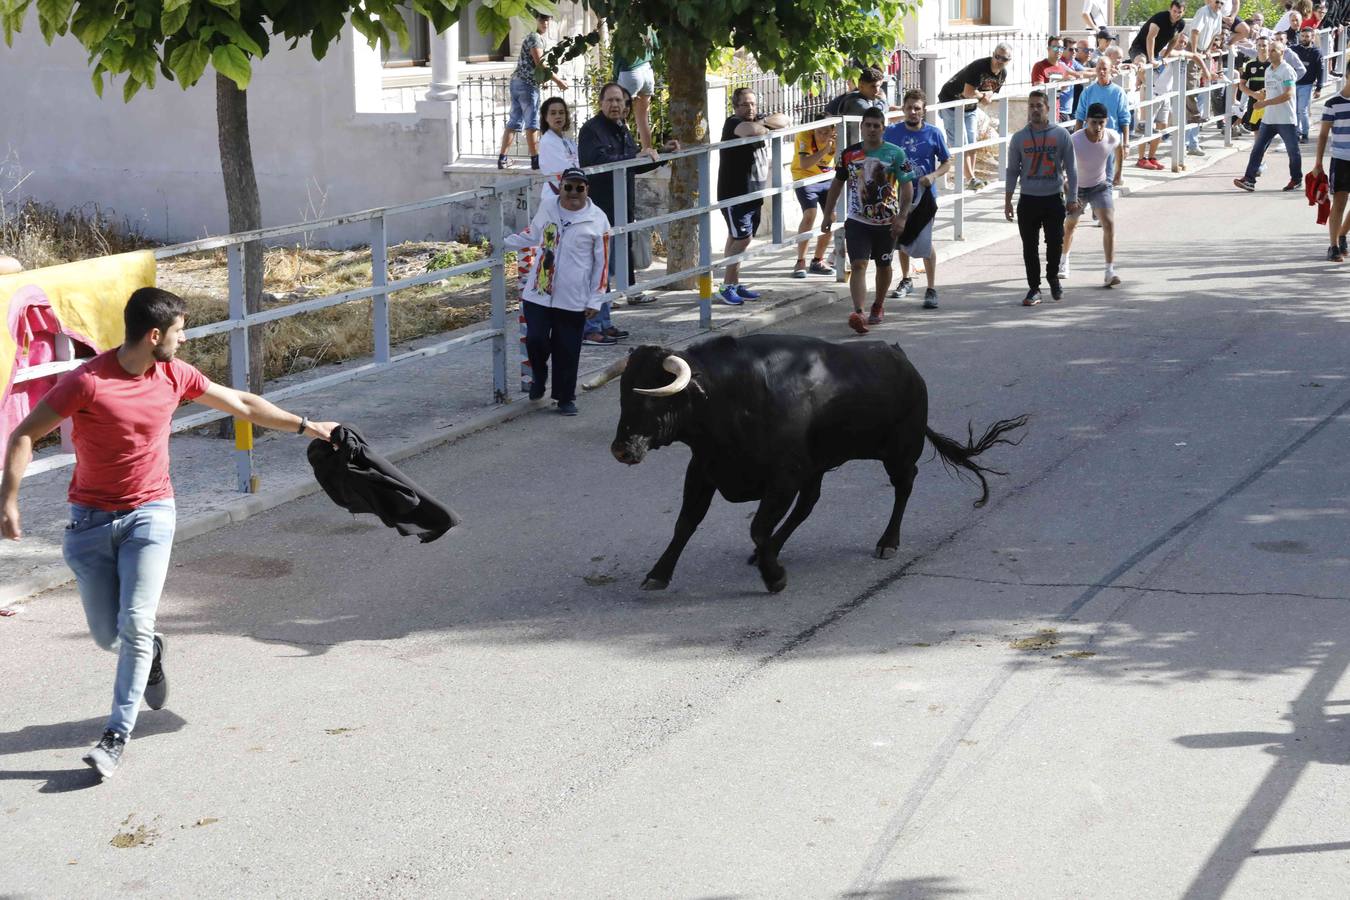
(239, 321)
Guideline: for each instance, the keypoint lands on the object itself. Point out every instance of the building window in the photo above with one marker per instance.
(475, 46)
(968, 12)
(418, 50)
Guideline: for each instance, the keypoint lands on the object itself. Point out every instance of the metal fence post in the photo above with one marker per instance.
(776, 182)
(379, 277)
(1003, 135)
(621, 218)
(840, 256)
(497, 234)
(959, 195)
(705, 278)
(245, 478)
(1229, 100)
(1179, 117)
(1149, 112)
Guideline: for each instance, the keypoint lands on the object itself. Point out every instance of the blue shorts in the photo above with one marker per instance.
(524, 106)
(813, 195)
(743, 219)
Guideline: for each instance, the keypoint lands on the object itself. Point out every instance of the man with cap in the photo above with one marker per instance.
(566, 286)
(525, 93)
(1093, 145)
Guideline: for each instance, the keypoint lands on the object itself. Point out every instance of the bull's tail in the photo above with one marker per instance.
(956, 457)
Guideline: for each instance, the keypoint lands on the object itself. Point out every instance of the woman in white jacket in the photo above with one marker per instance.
(557, 151)
(567, 285)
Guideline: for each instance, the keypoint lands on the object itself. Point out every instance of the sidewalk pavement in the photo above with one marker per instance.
(424, 403)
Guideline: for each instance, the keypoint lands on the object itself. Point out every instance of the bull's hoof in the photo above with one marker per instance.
(776, 585)
(655, 584)
(886, 552)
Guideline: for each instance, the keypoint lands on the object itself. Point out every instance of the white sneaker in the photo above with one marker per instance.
(1111, 279)
(1063, 268)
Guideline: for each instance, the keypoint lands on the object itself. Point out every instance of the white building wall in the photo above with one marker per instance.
(1021, 23)
(155, 160)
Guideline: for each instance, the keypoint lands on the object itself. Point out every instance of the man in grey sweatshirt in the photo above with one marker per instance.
(1041, 156)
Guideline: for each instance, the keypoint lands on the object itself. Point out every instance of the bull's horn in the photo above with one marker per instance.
(614, 370)
(683, 375)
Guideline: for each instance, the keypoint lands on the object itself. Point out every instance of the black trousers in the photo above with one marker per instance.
(1034, 214)
(556, 333)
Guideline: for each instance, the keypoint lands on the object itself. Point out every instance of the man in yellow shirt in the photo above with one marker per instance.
(814, 155)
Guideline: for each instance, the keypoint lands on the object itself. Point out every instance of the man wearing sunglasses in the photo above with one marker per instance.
(979, 81)
(567, 287)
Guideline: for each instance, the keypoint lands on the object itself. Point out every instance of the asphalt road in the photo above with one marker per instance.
(1124, 677)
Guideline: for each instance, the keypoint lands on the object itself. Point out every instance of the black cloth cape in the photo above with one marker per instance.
(358, 479)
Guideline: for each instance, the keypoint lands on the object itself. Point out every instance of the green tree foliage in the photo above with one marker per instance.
(176, 39)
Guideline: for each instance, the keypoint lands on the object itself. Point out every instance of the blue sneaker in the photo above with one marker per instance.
(745, 293)
(729, 295)
(567, 408)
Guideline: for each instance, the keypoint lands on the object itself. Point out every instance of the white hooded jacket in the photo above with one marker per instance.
(571, 260)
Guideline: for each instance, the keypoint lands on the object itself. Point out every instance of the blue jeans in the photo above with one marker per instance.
(600, 321)
(120, 560)
(524, 106)
(1303, 99)
(1266, 134)
(949, 123)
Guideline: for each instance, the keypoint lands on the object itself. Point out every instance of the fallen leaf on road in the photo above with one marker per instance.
(339, 730)
(140, 837)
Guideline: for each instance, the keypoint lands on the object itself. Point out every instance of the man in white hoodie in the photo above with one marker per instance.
(566, 286)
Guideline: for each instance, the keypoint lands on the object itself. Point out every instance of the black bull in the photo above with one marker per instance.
(767, 416)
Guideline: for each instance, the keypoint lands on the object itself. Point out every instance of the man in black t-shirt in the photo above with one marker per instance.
(743, 170)
(1152, 39)
(1252, 81)
(980, 81)
(855, 103)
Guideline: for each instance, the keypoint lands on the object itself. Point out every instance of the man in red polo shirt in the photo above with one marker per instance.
(122, 514)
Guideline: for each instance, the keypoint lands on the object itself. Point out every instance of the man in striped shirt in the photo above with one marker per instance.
(1336, 132)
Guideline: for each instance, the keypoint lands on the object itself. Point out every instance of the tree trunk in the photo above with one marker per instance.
(245, 209)
(687, 80)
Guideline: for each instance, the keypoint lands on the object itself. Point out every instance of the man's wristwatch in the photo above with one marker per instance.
(304, 423)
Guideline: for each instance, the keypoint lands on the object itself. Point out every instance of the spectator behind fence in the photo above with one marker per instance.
(1279, 119)
(743, 170)
(1335, 133)
(1164, 76)
(1103, 39)
(525, 93)
(856, 102)
(1041, 157)
(1083, 59)
(566, 287)
(980, 80)
(926, 150)
(1309, 85)
(1112, 96)
(639, 79)
(878, 178)
(605, 138)
(1093, 146)
(557, 151)
(1156, 35)
(1050, 70)
(813, 155)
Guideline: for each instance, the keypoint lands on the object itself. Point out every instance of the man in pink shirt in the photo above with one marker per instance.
(122, 513)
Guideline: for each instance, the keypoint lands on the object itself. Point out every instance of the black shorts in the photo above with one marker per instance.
(1339, 176)
(865, 241)
(743, 219)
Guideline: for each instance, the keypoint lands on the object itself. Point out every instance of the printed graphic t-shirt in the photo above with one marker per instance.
(122, 428)
(524, 70)
(925, 148)
(874, 177)
(807, 144)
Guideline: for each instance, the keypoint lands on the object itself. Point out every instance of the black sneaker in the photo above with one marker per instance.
(536, 391)
(1032, 298)
(1056, 291)
(107, 753)
(157, 685)
(503, 162)
(567, 408)
(1345, 251)
(930, 299)
(1334, 254)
